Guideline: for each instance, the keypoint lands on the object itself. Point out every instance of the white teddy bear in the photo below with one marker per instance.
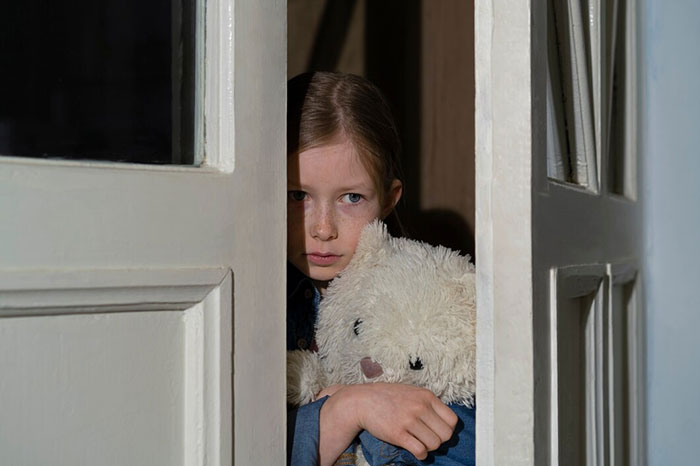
(401, 311)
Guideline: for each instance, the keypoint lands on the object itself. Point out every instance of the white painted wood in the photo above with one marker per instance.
(43, 292)
(484, 219)
(143, 383)
(219, 97)
(582, 110)
(137, 239)
(259, 255)
(595, 34)
(631, 102)
(99, 389)
(577, 299)
(505, 359)
(626, 322)
(529, 228)
(636, 328)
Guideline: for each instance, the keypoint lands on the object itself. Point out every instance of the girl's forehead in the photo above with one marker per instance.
(334, 161)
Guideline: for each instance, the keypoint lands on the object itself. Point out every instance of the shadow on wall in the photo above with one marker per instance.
(441, 227)
(382, 41)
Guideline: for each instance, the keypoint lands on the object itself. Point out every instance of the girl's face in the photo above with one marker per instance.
(331, 197)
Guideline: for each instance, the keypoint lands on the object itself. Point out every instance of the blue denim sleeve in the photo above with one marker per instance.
(302, 434)
(459, 450)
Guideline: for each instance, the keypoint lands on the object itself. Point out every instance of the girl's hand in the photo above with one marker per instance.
(406, 416)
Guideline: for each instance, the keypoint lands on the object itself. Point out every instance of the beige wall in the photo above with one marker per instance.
(432, 90)
(303, 19)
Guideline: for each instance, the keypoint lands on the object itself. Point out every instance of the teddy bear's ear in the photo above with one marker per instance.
(374, 238)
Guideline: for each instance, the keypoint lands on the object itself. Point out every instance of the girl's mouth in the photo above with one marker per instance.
(318, 258)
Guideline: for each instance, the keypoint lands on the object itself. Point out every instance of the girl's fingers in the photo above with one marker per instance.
(413, 446)
(427, 437)
(410, 417)
(441, 428)
(447, 415)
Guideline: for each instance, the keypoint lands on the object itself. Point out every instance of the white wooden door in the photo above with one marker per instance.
(142, 307)
(558, 234)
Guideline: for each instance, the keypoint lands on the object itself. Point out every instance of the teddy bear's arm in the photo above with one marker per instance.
(305, 377)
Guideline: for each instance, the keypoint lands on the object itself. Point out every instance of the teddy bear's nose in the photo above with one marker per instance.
(370, 368)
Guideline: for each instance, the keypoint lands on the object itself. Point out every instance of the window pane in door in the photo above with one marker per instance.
(108, 80)
(618, 148)
(571, 138)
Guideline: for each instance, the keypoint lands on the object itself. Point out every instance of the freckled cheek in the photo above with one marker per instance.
(366, 211)
(351, 224)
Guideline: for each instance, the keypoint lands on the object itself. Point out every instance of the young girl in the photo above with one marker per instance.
(342, 173)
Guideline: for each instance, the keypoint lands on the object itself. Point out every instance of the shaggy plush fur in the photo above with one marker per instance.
(408, 306)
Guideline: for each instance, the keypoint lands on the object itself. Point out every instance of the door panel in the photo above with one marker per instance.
(560, 325)
(144, 261)
(135, 369)
(113, 380)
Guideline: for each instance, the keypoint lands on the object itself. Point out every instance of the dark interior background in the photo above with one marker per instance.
(421, 54)
(101, 80)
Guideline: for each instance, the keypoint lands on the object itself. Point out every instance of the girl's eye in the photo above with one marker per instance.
(296, 195)
(353, 198)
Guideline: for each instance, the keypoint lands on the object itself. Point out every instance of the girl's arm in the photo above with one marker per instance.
(406, 416)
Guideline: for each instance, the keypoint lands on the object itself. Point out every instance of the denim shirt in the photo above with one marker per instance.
(303, 423)
(302, 308)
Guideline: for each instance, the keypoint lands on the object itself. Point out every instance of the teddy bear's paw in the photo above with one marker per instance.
(305, 377)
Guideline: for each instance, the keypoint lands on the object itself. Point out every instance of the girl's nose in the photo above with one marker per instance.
(324, 227)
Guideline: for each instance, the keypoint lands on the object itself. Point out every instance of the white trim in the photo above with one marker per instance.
(575, 282)
(554, 369)
(485, 336)
(199, 80)
(527, 226)
(596, 30)
(218, 374)
(587, 166)
(205, 296)
(597, 439)
(219, 111)
(31, 162)
(637, 377)
(625, 273)
(578, 281)
(505, 301)
(25, 292)
(208, 379)
(194, 386)
(631, 103)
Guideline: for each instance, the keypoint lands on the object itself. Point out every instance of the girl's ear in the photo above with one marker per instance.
(392, 198)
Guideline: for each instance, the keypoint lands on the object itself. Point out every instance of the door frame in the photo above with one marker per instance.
(88, 232)
(528, 228)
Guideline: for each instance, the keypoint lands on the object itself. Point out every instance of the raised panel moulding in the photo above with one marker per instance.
(200, 298)
(25, 292)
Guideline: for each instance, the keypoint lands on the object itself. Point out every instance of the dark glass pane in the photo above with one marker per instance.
(618, 119)
(100, 80)
(561, 162)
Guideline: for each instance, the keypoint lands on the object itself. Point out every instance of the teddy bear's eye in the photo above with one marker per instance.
(356, 327)
(416, 365)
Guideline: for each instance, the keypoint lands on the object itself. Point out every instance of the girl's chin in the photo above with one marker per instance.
(323, 274)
